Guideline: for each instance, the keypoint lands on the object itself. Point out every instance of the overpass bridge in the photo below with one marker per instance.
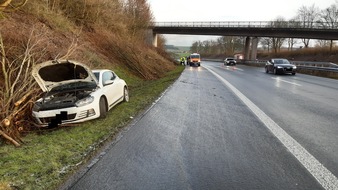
(250, 30)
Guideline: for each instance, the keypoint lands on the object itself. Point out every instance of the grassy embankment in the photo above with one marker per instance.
(48, 157)
(101, 34)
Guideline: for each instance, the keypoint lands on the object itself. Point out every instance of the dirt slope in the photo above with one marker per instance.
(96, 47)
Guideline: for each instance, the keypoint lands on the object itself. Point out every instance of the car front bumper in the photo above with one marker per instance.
(230, 63)
(195, 63)
(55, 117)
(286, 70)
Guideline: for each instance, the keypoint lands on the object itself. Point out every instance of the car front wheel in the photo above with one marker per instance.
(275, 71)
(266, 70)
(125, 95)
(103, 108)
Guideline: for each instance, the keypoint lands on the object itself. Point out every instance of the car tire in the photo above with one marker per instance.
(275, 71)
(125, 94)
(266, 70)
(293, 73)
(103, 108)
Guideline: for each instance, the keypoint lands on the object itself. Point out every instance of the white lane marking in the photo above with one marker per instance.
(318, 171)
(278, 79)
(231, 68)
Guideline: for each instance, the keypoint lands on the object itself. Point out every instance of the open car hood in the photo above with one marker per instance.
(51, 74)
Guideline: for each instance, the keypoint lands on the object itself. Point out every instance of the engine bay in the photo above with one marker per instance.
(58, 100)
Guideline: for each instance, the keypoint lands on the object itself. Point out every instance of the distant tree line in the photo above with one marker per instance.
(223, 45)
(307, 17)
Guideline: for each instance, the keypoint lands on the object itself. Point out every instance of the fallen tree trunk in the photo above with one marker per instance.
(7, 4)
(9, 138)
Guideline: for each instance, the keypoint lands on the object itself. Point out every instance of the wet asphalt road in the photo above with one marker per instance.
(200, 135)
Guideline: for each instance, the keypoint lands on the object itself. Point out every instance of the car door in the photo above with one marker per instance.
(110, 87)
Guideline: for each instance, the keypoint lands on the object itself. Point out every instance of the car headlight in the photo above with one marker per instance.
(279, 67)
(294, 67)
(84, 101)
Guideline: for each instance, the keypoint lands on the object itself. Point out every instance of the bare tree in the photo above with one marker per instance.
(17, 87)
(207, 46)
(194, 47)
(139, 14)
(230, 44)
(266, 43)
(291, 42)
(214, 47)
(278, 42)
(329, 19)
(323, 44)
(307, 16)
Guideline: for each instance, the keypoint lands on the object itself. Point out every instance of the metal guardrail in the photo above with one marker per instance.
(312, 68)
(315, 64)
(308, 65)
(251, 24)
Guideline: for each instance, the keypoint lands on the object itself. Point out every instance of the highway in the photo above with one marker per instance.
(225, 127)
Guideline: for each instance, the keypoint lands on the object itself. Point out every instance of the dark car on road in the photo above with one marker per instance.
(280, 66)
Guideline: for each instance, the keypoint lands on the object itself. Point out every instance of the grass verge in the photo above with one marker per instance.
(48, 157)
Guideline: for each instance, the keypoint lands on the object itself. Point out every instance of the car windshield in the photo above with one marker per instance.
(281, 61)
(230, 59)
(97, 75)
(195, 56)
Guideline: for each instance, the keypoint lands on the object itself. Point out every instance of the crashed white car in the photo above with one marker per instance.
(73, 93)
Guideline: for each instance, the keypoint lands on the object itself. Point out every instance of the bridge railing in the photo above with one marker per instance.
(253, 24)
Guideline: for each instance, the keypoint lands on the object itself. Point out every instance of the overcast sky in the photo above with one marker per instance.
(225, 10)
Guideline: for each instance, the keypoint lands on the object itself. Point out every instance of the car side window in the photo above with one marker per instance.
(107, 76)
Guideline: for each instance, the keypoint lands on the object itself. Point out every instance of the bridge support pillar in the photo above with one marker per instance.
(151, 38)
(154, 39)
(247, 48)
(254, 45)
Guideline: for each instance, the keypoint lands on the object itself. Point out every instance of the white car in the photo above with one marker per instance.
(73, 93)
(229, 61)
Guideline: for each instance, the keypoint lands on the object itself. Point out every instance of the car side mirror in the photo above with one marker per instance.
(108, 82)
